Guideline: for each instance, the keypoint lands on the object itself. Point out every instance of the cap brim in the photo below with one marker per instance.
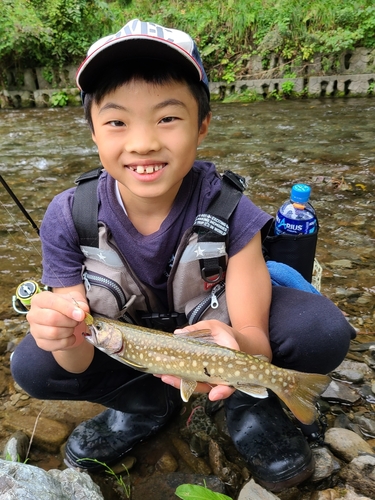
(116, 53)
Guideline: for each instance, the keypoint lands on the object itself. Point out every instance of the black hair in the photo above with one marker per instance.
(150, 71)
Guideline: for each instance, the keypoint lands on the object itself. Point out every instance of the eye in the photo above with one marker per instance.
(116, 123)
(168, 119)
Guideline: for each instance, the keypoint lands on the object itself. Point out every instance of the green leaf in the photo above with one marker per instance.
(194, 492)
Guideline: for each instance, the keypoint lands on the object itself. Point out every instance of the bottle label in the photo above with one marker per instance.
(292, 226)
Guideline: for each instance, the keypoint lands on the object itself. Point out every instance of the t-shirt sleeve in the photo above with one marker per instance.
(62, 256)
(247, 220)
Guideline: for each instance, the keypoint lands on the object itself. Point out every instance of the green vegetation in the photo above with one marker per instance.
(117, 477)
(59, 99)
(56, 33)
(193, 492)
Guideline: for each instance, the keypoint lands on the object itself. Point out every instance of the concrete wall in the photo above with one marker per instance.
(351, 73)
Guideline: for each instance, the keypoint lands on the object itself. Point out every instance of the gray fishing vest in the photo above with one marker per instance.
(195, 286)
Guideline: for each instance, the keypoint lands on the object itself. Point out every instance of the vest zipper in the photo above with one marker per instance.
(92, 278)
(211, 300)
(129, 270)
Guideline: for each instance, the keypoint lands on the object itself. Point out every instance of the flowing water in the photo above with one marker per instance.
(328, 144)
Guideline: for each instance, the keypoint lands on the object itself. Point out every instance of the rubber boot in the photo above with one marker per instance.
(137, 410)
(276, 452)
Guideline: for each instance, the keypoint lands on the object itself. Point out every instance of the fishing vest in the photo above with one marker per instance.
(196, 284)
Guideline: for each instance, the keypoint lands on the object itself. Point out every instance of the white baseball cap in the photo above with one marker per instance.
(143, 39)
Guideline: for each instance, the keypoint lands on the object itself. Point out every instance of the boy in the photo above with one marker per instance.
(146, 99)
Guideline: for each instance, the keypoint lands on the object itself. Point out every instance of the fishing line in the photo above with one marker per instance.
(34, 226)
(18, 203)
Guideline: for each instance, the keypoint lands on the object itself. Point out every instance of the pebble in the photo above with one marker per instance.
(346, 444)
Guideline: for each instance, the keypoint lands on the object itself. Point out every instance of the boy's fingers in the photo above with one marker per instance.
(65, 304)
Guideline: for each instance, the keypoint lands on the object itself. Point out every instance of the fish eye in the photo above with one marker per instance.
(98, 327)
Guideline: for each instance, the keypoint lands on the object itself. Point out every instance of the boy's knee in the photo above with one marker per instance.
(307, 331)
(29, 368)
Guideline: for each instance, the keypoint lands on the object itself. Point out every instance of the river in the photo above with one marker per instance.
(326, 143)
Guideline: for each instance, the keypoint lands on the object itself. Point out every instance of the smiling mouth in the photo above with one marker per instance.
(149, 169)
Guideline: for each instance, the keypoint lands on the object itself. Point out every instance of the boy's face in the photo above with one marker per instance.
(147, 136)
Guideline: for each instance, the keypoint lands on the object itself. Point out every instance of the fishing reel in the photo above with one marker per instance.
(24, 293)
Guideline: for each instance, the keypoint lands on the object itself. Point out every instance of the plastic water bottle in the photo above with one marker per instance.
(297, 216)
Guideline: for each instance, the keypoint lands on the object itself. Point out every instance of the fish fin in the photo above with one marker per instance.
(187, 388)
(256, 391)
(125, 361)
(301, 398)
(200, 335)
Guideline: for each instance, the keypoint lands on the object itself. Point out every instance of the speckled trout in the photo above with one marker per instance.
(195, 357)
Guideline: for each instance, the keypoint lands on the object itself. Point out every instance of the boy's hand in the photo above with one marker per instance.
(55, 319)
(222, 335)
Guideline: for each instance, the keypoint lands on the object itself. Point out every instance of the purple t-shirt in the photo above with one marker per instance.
(149, 256)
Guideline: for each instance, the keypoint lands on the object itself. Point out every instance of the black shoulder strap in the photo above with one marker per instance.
(211, 226)
(214, 224)
(85, 208)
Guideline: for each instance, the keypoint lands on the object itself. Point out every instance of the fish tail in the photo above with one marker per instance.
(301, 398)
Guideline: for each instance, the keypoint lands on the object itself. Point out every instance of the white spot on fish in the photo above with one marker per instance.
(237, 373)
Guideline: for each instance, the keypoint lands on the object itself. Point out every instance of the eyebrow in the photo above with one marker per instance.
(160, 105)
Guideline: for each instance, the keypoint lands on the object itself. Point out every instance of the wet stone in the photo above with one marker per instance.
(47, 434)
(166, 463)
(366, 425)
(338, 392)
(351, 371)
(15, 449)
(325, 465)
(346, 444)
(360, 474)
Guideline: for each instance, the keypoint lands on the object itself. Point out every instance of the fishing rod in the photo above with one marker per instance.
(27, 289)
(19, 204)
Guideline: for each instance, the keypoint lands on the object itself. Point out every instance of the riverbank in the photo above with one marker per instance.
(353, 76)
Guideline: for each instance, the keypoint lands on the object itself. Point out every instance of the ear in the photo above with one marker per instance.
(203, 130)
(93, 137)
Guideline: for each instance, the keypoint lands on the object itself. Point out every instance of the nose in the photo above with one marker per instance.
(142, 139)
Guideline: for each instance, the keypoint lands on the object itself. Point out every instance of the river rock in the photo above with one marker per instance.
(346, 444)
(351, 371)
(26, 481)
(366, 425)
(48, 434)
(325, 464)
(198, 465)
(360, 474)
(338, 392)
(253, 491)
(346, 493)
(15, 449)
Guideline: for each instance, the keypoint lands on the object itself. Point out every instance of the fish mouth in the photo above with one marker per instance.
(146, 169)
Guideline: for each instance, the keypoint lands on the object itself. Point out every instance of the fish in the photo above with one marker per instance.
(195, 357)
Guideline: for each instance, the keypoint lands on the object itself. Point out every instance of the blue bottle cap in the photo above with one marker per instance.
(300, 193)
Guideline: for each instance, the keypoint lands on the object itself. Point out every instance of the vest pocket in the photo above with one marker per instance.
(109, 294)
(208, 306)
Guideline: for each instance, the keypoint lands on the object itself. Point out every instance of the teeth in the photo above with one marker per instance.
(150, 169)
